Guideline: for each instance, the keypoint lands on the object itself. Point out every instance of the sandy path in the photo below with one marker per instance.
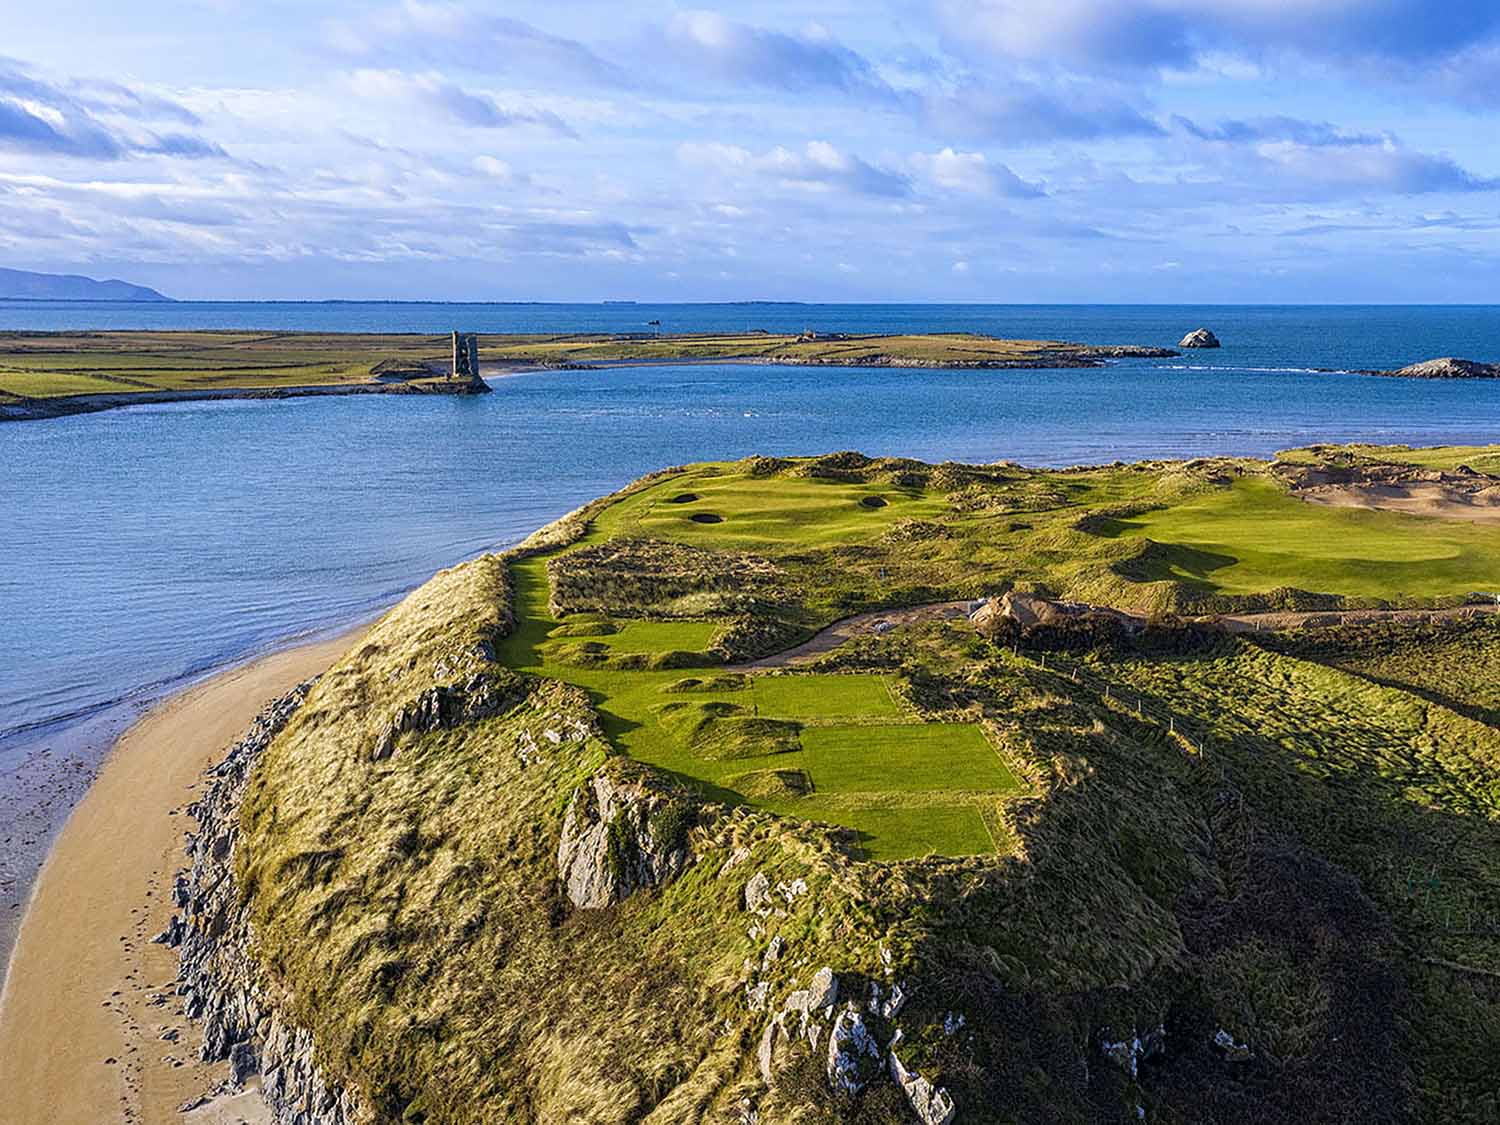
(860, 625)
(88, 997)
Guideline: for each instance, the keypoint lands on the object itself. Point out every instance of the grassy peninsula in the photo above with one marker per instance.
(568, 836)
(50, 374)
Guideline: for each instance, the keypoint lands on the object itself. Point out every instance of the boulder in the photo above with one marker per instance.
(1199, 338)
(822, 992)
(1128, 1054)
(611, 845)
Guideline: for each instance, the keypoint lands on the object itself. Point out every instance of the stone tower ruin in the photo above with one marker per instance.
(465, 355)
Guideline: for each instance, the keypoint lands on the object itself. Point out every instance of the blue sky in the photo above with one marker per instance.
(903, 150)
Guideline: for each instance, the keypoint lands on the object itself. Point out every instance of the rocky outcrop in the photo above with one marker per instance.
(217, 978)
(1128, 1054)
(932, 1105)
(1447, 367)
(1199, 338)
(619, 836)
(443, 707)
(853, 1053)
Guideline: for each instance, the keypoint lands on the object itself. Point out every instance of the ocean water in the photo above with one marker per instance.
(141, 546)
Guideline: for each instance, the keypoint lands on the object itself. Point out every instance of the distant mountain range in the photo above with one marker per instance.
(21, 285)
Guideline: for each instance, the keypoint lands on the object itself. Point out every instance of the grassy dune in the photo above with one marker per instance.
(1292, 840)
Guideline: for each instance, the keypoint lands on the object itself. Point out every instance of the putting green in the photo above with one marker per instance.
(809, 696)
(906, 758)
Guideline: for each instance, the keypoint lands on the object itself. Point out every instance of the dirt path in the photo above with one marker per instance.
(90, 1028)
(871, 624)
(860, 625)
(1281, 622)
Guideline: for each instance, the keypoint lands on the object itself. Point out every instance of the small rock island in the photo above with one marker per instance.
(1200, 338)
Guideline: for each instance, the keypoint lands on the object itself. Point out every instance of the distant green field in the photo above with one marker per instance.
(1254, 537)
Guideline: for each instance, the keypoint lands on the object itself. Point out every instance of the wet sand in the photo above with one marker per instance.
(88, 1014)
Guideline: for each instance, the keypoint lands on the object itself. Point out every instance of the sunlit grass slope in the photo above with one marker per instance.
(1254, 537)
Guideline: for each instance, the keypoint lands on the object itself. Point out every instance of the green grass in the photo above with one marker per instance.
(809, 513)
(889, 834)
(1482, 458)
(925, 758)
(726, 742)
(654, 636)
(826, 697)
(1253, 537)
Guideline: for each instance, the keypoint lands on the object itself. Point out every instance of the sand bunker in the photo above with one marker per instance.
(1462, 495)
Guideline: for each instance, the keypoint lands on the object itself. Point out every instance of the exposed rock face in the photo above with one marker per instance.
(444, 707)
(1199, 338)
(932, 1105)
(853, 1053)
(617, 837)
(1128, 1054)
(1448, 368)
(217, 978)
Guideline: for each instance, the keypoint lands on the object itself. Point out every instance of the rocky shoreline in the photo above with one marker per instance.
(217, 977)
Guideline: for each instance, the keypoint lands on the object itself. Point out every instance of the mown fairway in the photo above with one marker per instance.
(1254, 537)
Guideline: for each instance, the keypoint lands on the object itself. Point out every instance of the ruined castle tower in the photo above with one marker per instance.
(465, 355)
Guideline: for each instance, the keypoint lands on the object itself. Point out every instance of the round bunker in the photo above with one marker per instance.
(873, 502)
(706, 517)
(684, 498)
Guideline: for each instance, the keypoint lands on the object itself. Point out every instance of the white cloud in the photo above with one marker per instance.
(818, 166)
(972, 173)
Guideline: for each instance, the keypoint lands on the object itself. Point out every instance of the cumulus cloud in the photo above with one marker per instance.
(1284, 154)
(738, 52)
(465, 107)
(1382, 166)
(972, 173)
(819, 166)
(1313, 134)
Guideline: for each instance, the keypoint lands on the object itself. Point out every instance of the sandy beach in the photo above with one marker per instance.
(90, 1029)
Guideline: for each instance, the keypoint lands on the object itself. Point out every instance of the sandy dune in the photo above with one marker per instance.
(89, 998)
(1417, 498)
